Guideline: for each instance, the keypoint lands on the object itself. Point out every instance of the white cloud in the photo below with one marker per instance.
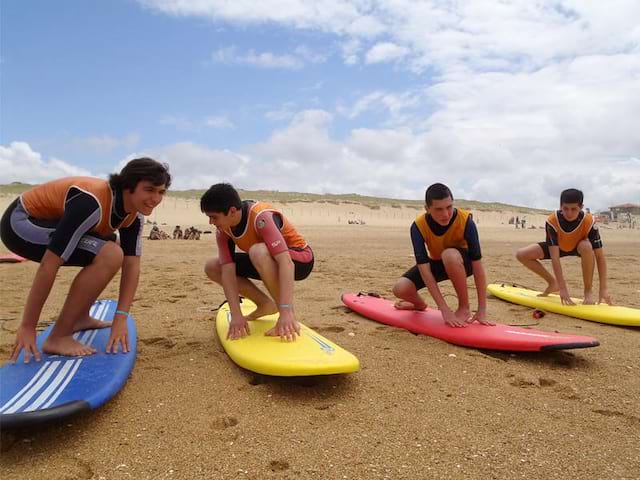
(108, 143)
(385, 52)
(183, 123)
(19, 163)
(218, 121)
(301, 56)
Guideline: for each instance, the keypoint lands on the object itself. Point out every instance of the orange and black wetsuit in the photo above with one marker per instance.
(72, 217)
(261, 223)
(430, 239)
(566, 235)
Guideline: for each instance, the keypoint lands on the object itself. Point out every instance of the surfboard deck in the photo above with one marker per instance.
(310, 354)
(611, 314)
(59, 386)
(430, 322)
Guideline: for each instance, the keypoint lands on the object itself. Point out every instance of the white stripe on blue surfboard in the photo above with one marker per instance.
(33, 380)
(86, 338)
(33, 390)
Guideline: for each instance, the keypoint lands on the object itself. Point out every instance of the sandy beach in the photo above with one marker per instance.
(418, 408)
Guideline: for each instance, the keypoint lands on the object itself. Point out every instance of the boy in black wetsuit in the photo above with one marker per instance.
(446, 246)
(570, 232)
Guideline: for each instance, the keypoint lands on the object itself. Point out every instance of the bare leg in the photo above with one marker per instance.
(587, 258)
(86, 287)
(454, 266)
(267, 267)
(264, 304)
(406, 291)
(530, 257)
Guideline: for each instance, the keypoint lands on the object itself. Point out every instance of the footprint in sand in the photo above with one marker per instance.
(221, 423)
(614, 413)
(278, 465)
(160, 341)
(331, 328)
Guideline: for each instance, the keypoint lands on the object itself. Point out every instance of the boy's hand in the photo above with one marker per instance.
(25, 339)
(238, 328)
(286, 327)
(604, 295)
(481, 317)
(565, 298)
(119, 337)
(451, 319)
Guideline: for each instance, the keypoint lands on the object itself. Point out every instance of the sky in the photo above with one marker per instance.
(504, 101)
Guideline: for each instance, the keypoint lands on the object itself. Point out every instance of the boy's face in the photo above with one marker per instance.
(441, 210)
(146, 196)
(570, 211)
(222, 221)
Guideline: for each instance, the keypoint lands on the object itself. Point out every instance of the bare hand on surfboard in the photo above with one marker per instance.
(565, 298)
(604, 295)
(286, 328)
(25, 339)
(118, 338)
(481, 317)
(452, 320)
(238, 328)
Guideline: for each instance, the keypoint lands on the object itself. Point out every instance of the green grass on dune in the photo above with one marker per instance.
(336, 199)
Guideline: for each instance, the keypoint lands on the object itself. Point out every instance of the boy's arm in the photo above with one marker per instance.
(554, 253)
(431, 284)
(602, 275)
(239, 327)
(38, 294)
(287, 327)
(129, 279)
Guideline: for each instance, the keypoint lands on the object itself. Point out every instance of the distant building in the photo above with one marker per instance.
(625, 211)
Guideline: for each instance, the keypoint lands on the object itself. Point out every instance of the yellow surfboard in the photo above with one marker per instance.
(310, 354)
(603, 313)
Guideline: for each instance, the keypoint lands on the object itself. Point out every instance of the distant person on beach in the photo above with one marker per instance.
(446, 246)
(569, 232)
(272, 251)
(72, 222)
(177, 233)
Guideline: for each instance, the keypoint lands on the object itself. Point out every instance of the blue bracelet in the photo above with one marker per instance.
(122, 312)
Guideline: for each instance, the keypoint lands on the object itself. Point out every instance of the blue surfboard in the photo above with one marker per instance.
(58, 386)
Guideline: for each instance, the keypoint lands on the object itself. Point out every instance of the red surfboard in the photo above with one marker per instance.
(430, 322)
(12, 258)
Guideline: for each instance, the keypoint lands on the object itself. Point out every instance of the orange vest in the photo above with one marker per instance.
(250, 236)
(568, 241)
(46, 201)
(452, 238)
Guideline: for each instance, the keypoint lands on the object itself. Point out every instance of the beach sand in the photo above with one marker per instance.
(418, 408)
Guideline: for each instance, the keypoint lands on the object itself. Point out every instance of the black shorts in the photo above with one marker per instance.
(545, 250)
(29, 237)
(245, 269)
(437, 270)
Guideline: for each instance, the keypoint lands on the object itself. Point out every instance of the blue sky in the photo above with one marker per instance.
(506, 102)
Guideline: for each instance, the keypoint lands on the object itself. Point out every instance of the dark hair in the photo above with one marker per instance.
(140, 169)
(220, 198)
(571, 195)
(437, 191)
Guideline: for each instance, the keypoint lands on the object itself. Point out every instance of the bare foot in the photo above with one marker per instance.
(66, 346)
(404, 305)
(589, 299)
(268, 308)
(551, 288)
(463, 314)
(89, 323)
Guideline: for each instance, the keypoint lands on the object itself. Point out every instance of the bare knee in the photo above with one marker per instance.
(258, 253)
(403, 287)
(451, 257)
(213, 269)
(585, 248)
(110, 255)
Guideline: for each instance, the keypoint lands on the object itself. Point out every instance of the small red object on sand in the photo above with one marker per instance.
(538, 314)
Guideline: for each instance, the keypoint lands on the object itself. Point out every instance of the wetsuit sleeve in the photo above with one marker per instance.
(594, 237)
(81, 214)
(419, 248)
(473, 240)
(131, 238)
(269, 231)
(552, 235)
(226, 248)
